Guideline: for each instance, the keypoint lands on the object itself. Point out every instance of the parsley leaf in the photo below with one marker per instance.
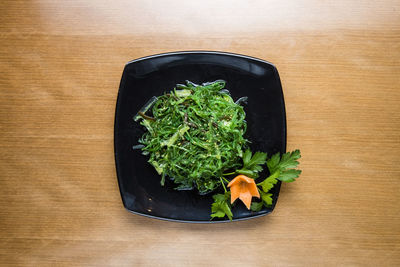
(221, 207)
(281, 168)
(289, 175)
(252, 163)
(269, 183)
(266, 200)
(256, 206)
(285, 166)
(287, 161)
(246, 156)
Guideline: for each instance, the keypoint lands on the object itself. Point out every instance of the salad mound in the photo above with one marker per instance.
(194, 134)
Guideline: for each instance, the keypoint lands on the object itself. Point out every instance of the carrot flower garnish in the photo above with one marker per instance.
(244, 188)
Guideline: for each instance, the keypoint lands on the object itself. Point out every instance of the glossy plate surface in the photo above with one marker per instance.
(143, 78)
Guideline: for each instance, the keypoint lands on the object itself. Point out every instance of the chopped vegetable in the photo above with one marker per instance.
(194, 134)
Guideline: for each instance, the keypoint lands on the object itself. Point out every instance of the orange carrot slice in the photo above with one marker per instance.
(244, 188)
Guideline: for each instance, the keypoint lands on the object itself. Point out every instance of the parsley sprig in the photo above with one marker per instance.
(221, 206)
(281, 168)
(252, 164)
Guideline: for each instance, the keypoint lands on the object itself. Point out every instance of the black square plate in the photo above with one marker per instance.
(143, 78)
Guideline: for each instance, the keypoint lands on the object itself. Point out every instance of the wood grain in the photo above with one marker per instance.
(60, 67)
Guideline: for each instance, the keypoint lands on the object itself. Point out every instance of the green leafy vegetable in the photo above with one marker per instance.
(270, 182)
(284, 166)
(256, 206)
(221, 207)
(266, 200)
(252, 163)
(281, 168)
(194, 134)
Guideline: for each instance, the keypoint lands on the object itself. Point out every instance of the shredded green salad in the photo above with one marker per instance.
(194, 134)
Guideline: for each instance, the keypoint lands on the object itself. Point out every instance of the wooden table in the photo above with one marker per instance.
(60, 67)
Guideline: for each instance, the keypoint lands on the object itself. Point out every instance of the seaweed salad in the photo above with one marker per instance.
(194, 134)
